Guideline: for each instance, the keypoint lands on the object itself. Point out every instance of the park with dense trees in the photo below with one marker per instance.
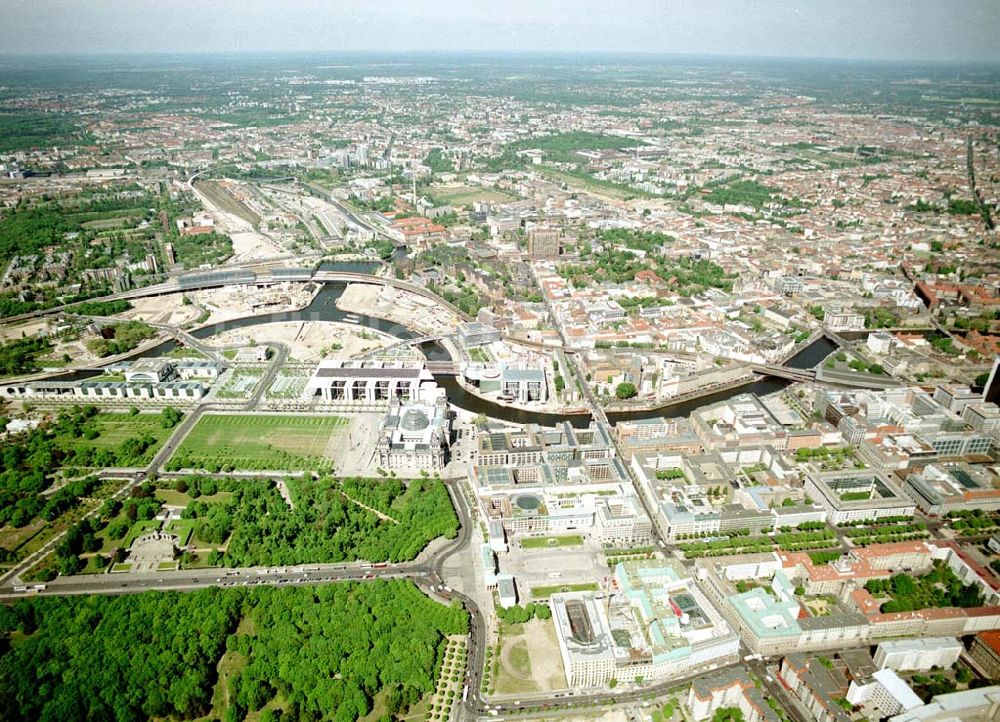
(79, 439)
(323, 652)
(20, 356)
(940, 587)
(328, 522)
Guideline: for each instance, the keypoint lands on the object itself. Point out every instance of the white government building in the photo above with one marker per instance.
(339, 381)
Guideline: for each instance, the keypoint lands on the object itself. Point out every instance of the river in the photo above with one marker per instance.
(807, 358)
(323, 308)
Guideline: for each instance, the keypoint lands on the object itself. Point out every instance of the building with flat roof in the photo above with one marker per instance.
(654, 624)
(738, 422)
(621, 522)
(497, 535)
(474, 334)
(882, 695)
(488, 563)
(544, 242)
(153, 370)
(531, 445)
(251, 355)
(818, 684)
(777, 613)
(985, 651)
(955, 397)
(536, 480)
(194, 368)
(346, 382)
(650, 436)
(907, 655)
(984, 417)
(690, 494)
(524, 385)
(111, 391)
(953, 486)
(857, 495)
(728, 688)
(506, 591)
(973, 705)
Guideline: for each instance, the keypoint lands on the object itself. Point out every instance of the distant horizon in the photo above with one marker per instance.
(960, 31)
(496, 53)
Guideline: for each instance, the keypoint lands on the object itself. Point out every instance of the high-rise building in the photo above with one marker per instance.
(991, 392)
(544, 243)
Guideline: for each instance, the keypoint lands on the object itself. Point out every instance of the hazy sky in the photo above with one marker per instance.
(883, 29)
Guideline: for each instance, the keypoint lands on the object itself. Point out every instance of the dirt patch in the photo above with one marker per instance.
(310, 341)
(169, 309)
(530, 659)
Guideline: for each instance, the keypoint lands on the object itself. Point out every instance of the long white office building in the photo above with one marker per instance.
(340, 381)
(906, 655)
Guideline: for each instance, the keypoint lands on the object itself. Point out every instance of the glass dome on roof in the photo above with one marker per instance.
(414, 420)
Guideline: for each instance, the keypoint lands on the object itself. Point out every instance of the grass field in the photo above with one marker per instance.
(172, 497)
(591, 185)
(467, 195)
(545, 542)
(12, 537)
(115, 428)
(271, 442)
(138, 529)
(538, 593)
(183, 528)
(107, 223)
(529, 659)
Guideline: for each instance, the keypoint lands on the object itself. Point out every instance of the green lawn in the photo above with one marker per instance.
(172, 497)
(138, 529)
(113, 429)
(480, 354)
(520, 660)
(547, 591)
(467, 195)
(544, 542)
(183, 528)
(256, 442)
